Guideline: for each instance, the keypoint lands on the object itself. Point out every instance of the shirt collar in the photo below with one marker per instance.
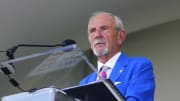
(111, 62)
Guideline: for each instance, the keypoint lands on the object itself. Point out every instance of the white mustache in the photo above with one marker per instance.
(98, 41)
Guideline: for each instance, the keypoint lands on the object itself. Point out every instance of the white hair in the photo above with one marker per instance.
(118, 22)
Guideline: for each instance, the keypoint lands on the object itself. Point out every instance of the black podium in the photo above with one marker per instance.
(96, 91)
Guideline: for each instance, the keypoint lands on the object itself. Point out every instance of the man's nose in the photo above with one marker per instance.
(98, 33)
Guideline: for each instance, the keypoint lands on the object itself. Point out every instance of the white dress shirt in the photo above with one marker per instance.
(110, 63)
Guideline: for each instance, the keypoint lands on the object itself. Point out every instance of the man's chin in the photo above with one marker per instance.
(100, 52)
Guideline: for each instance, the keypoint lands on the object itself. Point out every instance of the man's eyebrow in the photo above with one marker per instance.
(104, 27)
(90, 30)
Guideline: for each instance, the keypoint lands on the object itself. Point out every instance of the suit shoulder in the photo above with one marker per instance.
(139, 59)
(139, 62)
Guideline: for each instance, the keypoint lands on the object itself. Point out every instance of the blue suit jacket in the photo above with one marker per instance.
(133, 77)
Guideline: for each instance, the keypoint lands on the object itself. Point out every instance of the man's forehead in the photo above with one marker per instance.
(103, 16)
(101, 19)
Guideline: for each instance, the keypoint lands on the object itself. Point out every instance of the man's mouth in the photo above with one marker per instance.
(98, 43)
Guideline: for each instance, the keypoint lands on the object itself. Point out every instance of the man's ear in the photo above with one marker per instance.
(121, 37)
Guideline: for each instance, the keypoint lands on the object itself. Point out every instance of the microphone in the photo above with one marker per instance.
(68, 42)
(68, 45)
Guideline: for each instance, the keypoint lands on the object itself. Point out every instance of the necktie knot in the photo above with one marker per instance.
(103, 72)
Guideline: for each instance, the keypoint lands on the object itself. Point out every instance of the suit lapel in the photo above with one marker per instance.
(92, 77)
(119, 67)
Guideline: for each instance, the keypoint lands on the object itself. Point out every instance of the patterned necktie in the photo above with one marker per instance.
(102, 72)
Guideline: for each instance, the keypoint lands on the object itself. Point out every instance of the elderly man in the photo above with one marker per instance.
(133, 76)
